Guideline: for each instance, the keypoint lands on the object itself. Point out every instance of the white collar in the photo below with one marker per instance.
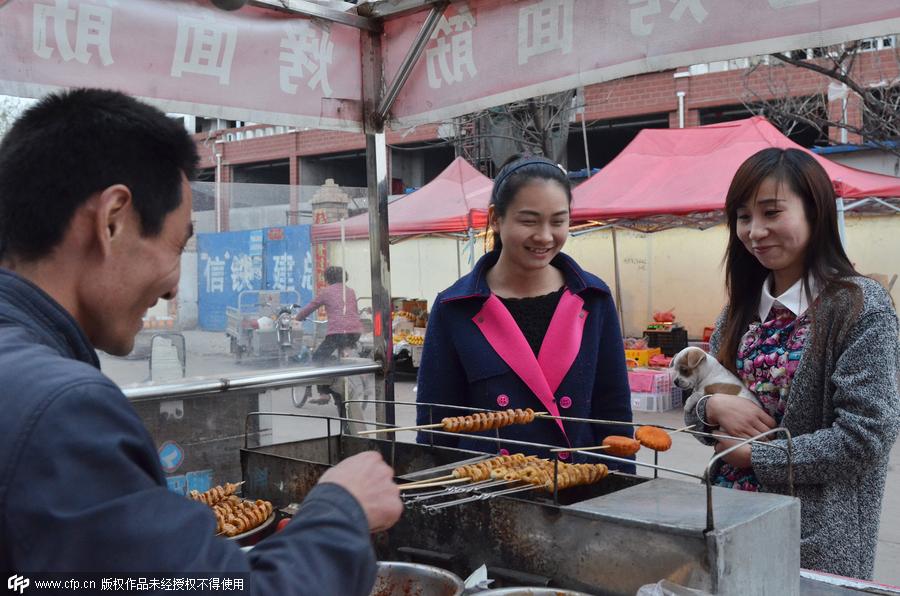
(794, 299)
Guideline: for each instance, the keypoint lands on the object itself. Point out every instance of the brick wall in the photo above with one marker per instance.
(631, 96)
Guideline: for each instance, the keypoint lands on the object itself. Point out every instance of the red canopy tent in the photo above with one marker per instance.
(456, 200)
(684, 175)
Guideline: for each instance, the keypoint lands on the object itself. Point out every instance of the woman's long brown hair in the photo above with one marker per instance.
(825, 259)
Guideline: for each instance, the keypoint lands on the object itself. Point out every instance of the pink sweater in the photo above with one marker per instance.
(341, 318)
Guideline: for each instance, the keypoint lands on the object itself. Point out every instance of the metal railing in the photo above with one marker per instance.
(705, 478)
(258, 380)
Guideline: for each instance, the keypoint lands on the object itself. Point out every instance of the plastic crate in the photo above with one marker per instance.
(642, 357)
(670, 342)
(651, 402)
(653, 390)
(649, 381)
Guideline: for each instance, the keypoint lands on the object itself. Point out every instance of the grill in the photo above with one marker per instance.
(607, 538)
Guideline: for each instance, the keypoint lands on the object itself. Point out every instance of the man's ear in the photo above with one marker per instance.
(111, 215)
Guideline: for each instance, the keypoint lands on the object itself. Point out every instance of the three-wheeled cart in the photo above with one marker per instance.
(252, 324)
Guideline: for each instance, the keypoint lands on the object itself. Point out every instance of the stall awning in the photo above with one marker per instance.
(456, 200)
(687, 171)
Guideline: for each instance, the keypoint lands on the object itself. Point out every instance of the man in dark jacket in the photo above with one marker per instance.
(95, 210)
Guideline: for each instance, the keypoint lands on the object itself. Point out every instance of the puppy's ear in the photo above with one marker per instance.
(694, 357)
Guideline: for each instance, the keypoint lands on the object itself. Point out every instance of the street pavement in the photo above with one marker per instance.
(207, 355)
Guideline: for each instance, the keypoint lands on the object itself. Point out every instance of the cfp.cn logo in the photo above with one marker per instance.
(17, 583)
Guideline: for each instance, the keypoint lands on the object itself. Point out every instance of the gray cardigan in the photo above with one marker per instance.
(843, 412)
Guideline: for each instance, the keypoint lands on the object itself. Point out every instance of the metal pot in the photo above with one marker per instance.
(525, 591)
(406, 579)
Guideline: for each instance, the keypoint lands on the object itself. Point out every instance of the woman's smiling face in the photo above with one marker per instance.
(774, 228)
(535, 226)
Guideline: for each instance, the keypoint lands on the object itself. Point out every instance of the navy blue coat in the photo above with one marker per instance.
(476, 356)
(82, 490)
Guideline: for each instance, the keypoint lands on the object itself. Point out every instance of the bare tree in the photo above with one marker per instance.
(539, 125)
(10, 109)
(768, 91)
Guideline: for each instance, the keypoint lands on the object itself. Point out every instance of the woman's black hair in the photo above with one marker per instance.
(519, 171)
(335, 275)
(825, 260)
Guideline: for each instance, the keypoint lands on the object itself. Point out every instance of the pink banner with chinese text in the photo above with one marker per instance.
(489, 52)
(185, 56)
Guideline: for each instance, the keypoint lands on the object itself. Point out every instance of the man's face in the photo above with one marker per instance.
(140, 271)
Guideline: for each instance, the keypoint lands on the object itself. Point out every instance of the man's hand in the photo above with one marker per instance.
(737, 416)
(371, 481)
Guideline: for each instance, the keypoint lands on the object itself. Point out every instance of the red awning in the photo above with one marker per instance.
(688, 170)
(456, 200)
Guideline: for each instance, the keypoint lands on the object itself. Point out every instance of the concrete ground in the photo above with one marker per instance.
(208, 356)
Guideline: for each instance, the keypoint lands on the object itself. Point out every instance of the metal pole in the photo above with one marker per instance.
(618, 281)
(378, 179)
(344, 265)
(418, 46)
(380, 258)
(839, 203)
(587, 159)
(218, 186)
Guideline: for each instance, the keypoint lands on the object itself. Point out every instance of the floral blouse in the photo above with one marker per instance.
(767, 359)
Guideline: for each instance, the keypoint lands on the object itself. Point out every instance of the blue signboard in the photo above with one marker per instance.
(170, 456)
(177, 484)
(199, 480)
(228, 264)
(288, 260)
(268, 259)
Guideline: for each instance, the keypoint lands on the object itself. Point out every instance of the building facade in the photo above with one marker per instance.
(613, 113)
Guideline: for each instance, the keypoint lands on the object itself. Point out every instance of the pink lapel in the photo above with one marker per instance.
(563, 339)
(500, 330)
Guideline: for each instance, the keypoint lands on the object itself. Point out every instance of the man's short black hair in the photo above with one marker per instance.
(73, 144)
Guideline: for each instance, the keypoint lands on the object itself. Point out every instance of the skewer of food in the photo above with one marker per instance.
(621, 446)
(478, 422)
(234, 515)
(533, 470)
(215, 494)
(654, 438)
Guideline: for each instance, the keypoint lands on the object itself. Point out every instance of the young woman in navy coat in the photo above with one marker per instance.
(527, 328)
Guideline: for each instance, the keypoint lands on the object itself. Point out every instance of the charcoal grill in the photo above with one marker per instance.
(608, 538)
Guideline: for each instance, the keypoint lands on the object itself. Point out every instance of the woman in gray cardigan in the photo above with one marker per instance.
(817, 343)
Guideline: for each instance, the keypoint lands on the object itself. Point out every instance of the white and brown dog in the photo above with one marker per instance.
(697, 371)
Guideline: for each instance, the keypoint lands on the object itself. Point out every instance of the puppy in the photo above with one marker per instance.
(698, 371)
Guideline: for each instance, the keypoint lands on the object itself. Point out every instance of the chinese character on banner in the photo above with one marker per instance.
(779, 4)
(306, 281)
(449, 55)
(695, 7)
(92, 30)
(243, 272)
(283, 273)
(214, 272)
(649, 8)
(545, 27)
(308, 48)
(204, 47)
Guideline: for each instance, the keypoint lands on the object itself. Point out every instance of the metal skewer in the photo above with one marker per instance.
(433, 484)
(481, 496)
(455, 490)
(567, 449)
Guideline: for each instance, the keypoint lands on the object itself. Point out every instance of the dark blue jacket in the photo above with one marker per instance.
(82, 490)
(476, 356)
